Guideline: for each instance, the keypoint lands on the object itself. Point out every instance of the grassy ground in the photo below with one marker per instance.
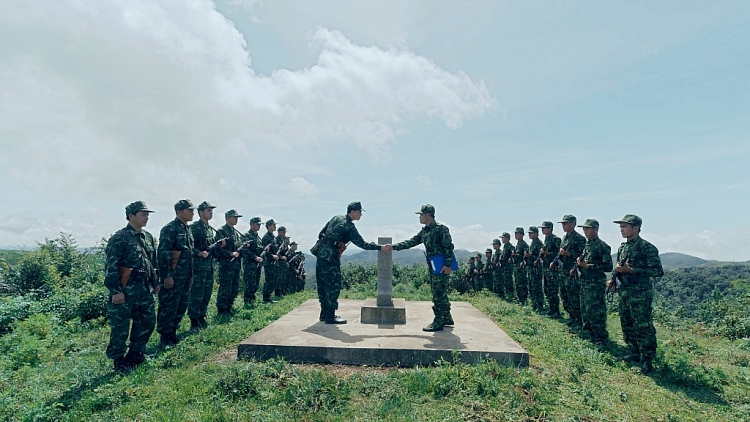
(51, 371)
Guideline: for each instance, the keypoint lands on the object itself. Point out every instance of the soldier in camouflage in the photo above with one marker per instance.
(519, 267)
(478, 273)
(468, 278)
(488, 270)
(437, 241)
(636, 295)
(269, 241)
(282, 273)
(552, 273)
(291, 276)
(506, 269)
(130, 275)
(229, 263)
(534, 267)
(252, 260)
(203, 266)
(497, 275)
(332, 240)
(570, 249)
(595, 261)
(175, 257)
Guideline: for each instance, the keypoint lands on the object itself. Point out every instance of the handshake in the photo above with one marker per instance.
(388, 248)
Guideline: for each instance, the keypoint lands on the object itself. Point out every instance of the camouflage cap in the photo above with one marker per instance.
(471, 258)
(205, 205)
(496, 242)
(567, 218)
(184, 204)
(479, 255)
(519, 230)
(533, 229)
(354, 206)
(590, 223)
(631, 219)
(232, 213)
(281, 229)
(547, 225)
(488, 250)
(255, 220)
(135, 207)
(270, 222)
(505, 234)
(293, 244)
(426, 209)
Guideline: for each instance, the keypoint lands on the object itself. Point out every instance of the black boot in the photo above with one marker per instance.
(173, 337)
(166, 340)
(135, 358)
(332, 318)
(122, 365)
(322, 314)
(202, 321)
(195, 324)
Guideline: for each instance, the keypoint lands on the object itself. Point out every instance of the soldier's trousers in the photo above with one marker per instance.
(269, 285)
(497, 283)
(636, 297)
(536, 293)
(521, 284)
(229, 284)
(251, 277)
(508, 287)
(200, 293)
(328, 276)
(441, 305)
(172, 306)
(594, 308)
(570, 292)
(552, 289)
(281, 278)
(139, 308)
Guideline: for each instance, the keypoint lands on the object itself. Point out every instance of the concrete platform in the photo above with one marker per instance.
(299, 337)
(374, 314)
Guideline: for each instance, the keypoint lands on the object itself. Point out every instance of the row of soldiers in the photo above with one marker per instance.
(572, 269)
(179, 268)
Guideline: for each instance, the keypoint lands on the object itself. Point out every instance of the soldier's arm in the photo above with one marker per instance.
(356, 238)
(224, 252)
(197, 239)
(447, 246)
(653, 264)
(407, 244)
(164, 251)
(603, 262)
(112, 270)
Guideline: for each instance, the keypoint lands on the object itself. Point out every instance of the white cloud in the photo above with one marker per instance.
(424, 180)
(302, 187)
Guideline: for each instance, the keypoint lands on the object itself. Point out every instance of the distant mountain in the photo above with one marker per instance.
(675, 260)
(407, 257)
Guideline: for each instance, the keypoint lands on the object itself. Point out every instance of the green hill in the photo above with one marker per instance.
(673, 260)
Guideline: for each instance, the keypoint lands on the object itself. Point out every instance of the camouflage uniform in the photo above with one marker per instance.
(174, 237)
(552, 277)
(437, 241)
(478, 274)
(136, 250)
(282, 271)
(506, 269)
(296, 264)
(570, 291)
(636, 294)
(598, 255)
(251, 268)
(488, 271)
(534, 273)
(497, 275)
(519, 270)
(340, 229)
(203, 270)
(468, 278)
(229, 270)
(270, 265)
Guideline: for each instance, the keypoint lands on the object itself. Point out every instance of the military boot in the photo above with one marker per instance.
(135, 358)
(449, 321)
(202, 321)
(434, 326)
(122, 365)
(195, 324)
(334, 319)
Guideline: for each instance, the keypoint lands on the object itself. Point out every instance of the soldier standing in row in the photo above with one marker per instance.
(638, 262)
(570, 249)
(270, 265)
(332, 241)
(203, 266)
(497, 274)
(291, 277)
(506, 260)
(488, 270)
(534, 270)
(130, 275)
(252, 260)
(519, 268)
(437, 241)
(551, 271)
(595, 261)
(478, 273)
(175, 256)
(282, 272)
(229, 263)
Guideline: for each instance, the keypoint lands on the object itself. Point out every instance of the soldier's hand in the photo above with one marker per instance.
(223, 243)
(203, 254)
(283, 258)
(258, 259)
(118, 299)
(168, 283)
(563, 252)
(626, 269)
(446, 270)
(235, 254)
(275, 257)
(157, 289)
(526, 254)
(581, 263)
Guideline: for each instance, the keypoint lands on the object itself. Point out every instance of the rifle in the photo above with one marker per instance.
(616, 281)
(246, 244)
(576, 272)
(215, 244)
(538, 262)
(263, 255)
(557, 262)
(282, 251)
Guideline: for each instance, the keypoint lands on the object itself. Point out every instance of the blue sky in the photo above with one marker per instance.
(501, 114)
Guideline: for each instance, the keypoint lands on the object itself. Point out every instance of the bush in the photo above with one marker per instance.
(14, 309)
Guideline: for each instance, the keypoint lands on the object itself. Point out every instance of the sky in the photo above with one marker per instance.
(499, 113)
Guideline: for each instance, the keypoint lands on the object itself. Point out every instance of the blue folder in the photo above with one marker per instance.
(437, 262)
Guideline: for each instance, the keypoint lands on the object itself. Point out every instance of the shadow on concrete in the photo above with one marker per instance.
(440, 340)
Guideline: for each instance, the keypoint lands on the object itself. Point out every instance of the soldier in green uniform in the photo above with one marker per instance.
(175, 257)
(570, 249)
(332, 240)
(296, 265)
(269, 241)
(595, 261)
(488, 269)
(467, 279)
(534, 265)
(130, 275)
(497, 274)
(638, 262)
(506, 268)
(551, 271)
(203, 266)
(282, 273)
(229, 263)
(252, 260)
(478, 273)
(437, 241)
(519, 267)
(291, 278)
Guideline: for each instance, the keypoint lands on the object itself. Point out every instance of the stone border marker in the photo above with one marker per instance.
(384, 309)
